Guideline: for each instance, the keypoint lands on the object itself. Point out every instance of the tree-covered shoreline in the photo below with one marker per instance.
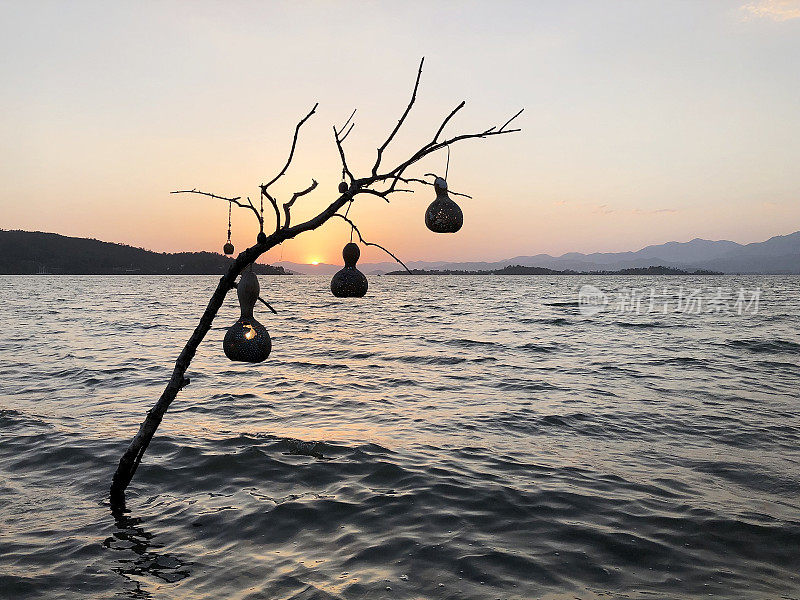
(32, 252)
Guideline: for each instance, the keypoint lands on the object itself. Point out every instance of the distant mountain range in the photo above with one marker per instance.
(779, 254)
(517, 270)
(36, 252)
(28, 252)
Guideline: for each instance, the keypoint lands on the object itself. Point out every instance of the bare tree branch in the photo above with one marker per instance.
(291, 152)
(422, 181)
(376, 193)
(268, 305)
(288, 205)
(210, 195)
(400, 122)
(132, 456)
(352, 114)
(260, 299)
(345, 168)
(444, 123)
(346, 133)
(341, 137)
(431, 148)
(235, 200)
(511, 119)
(266, 194)
(366, 243)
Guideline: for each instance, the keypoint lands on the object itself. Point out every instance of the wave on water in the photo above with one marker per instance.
(774, 346)
(494, 444)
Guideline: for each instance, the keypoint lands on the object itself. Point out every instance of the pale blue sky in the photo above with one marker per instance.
(645, 121)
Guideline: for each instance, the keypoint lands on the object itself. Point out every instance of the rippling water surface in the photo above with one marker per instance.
(475, 439)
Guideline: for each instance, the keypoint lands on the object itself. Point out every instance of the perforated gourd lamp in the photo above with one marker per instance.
(349, 282)
(247, 340)
(443, 215)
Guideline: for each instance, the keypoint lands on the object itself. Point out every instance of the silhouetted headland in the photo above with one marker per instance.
(31, 252)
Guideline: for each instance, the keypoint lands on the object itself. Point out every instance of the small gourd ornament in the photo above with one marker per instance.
(349, 282)
(443, 215)
(228, 247)
(247, 340)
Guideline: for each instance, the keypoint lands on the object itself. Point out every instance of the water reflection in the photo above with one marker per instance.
(139, 556)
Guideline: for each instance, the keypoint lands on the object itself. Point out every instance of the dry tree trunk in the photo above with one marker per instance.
(283, 231)
(133, 455)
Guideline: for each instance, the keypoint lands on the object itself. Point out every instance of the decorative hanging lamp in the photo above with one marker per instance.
(228, 247)
(247, 340)
(261, 238)
(443, 215)
(343, 187)
(349, 282)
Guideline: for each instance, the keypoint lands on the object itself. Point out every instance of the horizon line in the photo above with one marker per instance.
(311, 264)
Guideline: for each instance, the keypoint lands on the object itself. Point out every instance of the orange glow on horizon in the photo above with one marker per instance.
(648, 157)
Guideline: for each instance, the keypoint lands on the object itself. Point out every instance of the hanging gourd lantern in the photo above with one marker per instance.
(443, 215)
(228, 247)
(247, 340)
(349, 282)
(261, 238)
(342, 187)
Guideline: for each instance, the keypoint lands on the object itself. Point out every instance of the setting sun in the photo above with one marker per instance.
(314, 262)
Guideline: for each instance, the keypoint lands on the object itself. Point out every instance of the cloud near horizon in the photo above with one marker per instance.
(606, 210)
(777, 10)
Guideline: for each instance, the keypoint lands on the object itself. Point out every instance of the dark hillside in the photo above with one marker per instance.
(27, 252)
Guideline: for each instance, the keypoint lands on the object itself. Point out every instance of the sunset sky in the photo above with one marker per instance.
(644, 122)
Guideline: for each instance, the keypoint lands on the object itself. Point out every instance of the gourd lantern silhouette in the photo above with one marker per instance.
(342, 187)
(349, 282)
(443, 215)
(247, 340)
(228, 248)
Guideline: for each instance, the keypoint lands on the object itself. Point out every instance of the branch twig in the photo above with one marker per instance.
(365, 190)
(295, 196)
(340, 137)
(450, 116)
(352, 114)
(345, 168)
(400, 122)
(235, 200)
(422, 181)
(346, 133)
(431, 148)
(511, 119)
(274, 203)
(260, 299)
(366, 243)
(291, 152)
